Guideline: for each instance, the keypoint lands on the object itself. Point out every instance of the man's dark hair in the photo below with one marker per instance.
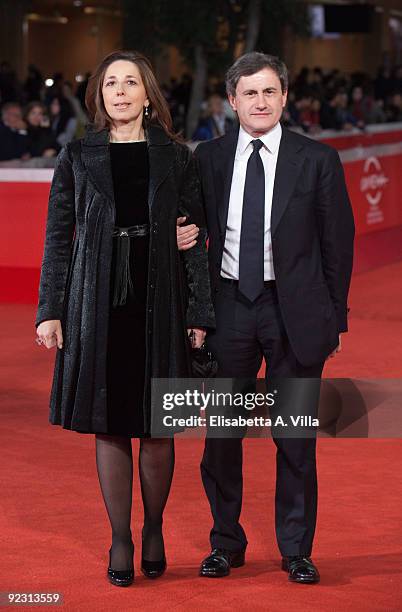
(253, 62)
(8, 105)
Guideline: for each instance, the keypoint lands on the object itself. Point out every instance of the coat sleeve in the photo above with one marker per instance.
(337, 232)
(200, 311)
(60, 227)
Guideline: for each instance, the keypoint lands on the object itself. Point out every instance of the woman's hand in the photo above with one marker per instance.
(197, 336)
(49, 334)
(187, 235)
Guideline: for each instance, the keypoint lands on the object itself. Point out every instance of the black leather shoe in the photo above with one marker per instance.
(300, 569)
(153, 569)
(121, 578)
(219, 562)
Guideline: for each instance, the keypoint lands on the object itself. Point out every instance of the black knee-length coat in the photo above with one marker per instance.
(75, 275)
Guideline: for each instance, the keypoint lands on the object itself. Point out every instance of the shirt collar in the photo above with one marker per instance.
(271, 139)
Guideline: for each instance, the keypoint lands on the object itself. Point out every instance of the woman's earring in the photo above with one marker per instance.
(147, 113)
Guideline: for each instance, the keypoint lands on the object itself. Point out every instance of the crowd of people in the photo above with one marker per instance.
(38, 119)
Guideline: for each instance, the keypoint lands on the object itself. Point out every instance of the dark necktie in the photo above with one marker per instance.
(251, 256)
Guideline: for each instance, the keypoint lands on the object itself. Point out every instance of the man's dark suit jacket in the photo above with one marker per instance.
(312, 231)
(13, 145)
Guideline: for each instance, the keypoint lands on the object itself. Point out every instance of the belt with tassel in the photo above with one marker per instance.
(123, 282)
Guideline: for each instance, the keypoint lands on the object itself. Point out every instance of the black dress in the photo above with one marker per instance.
(126, 335)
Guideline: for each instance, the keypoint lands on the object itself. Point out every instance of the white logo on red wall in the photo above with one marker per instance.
(372, 185)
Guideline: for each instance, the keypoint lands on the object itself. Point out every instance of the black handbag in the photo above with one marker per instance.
(203, 364)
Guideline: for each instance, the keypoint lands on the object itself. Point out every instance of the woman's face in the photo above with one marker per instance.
(123, 92)
(35, 116)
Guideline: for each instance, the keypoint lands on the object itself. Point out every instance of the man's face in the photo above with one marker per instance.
(215, 105)
(259, 101)
(12, 117)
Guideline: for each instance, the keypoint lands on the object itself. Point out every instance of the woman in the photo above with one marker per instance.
(41, 140)
(63, 120)
(113, 296)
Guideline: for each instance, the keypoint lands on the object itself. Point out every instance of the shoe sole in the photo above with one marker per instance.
(119, 584)
(152, 577)
(302, 581)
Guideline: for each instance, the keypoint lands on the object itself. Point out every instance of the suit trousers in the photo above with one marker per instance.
(245, 334)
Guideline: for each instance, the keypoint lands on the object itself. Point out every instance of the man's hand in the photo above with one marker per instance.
(187, 235)
(197, 336)
(337, 350)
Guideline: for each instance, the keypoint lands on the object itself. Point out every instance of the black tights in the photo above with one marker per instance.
(114, 461)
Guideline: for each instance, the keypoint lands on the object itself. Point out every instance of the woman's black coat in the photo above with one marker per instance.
(75, 275)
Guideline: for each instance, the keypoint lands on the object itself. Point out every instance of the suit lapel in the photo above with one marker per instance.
(288, 167)
(223, 172)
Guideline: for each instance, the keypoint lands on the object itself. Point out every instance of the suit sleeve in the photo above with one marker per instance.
(200, 311)
(337, 232)
(60, 227)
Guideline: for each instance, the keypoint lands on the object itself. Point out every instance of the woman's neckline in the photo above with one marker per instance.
(126, 141)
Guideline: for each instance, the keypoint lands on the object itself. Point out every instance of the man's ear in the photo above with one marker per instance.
(232, 102)
(284, 98)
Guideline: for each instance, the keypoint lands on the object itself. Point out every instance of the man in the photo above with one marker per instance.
(14, 142)
(215, 123)
(281, 235)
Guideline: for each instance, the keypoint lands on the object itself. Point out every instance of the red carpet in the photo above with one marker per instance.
(55, 534)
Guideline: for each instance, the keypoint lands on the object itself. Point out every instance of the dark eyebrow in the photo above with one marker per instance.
(128, 76)
(271, 88)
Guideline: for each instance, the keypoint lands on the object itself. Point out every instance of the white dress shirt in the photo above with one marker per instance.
(269, 156)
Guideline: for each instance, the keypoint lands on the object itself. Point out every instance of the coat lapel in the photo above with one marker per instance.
(288, 167)
(161, 158)
(223, 172)
(96, 159)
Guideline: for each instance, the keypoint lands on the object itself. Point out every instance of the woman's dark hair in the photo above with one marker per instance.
(253, 62)
(159, 109)
(66, 112)
(32, 105)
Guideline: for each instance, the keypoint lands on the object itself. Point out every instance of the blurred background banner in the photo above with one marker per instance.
(372, 174)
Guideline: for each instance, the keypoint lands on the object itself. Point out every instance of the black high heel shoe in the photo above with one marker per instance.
(153, 569)
(121, 578)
